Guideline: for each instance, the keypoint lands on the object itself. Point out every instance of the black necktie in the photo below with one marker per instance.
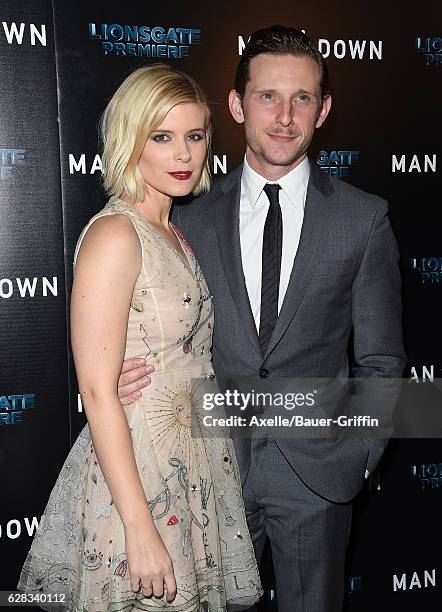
(271, 266)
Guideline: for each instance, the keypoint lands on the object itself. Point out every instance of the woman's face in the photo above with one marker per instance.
(174, 155)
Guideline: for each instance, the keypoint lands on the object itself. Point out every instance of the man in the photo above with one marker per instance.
(295, 261)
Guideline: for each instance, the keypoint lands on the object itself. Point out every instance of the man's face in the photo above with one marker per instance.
(280, 110)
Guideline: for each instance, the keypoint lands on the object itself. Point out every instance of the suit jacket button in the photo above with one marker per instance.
(264, 373)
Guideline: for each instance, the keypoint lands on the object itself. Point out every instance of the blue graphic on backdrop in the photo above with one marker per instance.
(144, 41)
(429, 269)
(431, 48)
(13, 406)
(337, 163)
(428, 475)
(354, 583)
(9, 158)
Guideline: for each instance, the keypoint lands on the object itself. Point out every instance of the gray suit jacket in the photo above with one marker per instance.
(345, 276)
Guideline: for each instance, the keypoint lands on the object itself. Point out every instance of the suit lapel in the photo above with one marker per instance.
(226, 221)
(315, 228)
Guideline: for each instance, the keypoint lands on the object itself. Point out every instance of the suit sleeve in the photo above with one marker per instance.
(376, 305)
(377, 326)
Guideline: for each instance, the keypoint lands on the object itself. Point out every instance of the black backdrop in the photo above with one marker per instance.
(383, 135)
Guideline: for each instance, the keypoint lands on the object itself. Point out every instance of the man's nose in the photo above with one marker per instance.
(285, 113)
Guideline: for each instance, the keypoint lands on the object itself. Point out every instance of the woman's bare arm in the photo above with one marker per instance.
(107, 267)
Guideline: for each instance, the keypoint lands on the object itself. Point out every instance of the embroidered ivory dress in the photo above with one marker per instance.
(190, 477)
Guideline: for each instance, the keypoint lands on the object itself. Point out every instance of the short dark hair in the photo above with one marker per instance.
(279, 40)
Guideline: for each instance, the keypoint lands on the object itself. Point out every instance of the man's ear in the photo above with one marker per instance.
(235, 106)
(326, 106)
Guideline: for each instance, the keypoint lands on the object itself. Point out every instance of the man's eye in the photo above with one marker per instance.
(160, 138)
(303, 98)
(267, 95)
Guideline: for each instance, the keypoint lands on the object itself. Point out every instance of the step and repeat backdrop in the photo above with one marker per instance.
(59, 64)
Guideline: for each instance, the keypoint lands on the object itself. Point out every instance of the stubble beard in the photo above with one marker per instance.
(288, 161)
(268, 159)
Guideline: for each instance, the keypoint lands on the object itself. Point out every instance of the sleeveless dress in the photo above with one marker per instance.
(190, 476)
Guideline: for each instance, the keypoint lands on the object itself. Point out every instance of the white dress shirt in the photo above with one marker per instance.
(253, 208)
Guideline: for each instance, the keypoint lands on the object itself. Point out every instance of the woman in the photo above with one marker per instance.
(147, 511)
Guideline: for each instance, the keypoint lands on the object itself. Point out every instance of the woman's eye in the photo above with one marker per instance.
(160, 138)
(195, 137)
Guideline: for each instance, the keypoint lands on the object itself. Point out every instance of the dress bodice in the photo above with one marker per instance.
(171, 314)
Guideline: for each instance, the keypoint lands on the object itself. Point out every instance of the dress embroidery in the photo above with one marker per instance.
(190, 479)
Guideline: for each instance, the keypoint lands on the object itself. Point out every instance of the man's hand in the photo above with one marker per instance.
(133, 377)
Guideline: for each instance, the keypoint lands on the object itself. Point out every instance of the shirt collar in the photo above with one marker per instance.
(294, 183)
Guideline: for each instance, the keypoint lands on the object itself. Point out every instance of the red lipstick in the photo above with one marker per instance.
(181, 176)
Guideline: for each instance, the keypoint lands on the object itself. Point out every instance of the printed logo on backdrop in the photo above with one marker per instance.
(431, 49)
(337, 163)
(10, 159)
(417, 580)
(23, 33)
(414, 163)
(270, 595)
(428, 270)
(13, 407)
(340, 49)
(80, 164)
(28, 287)
(353, 584)
(421, 374)
(14, 528)
(351, 49)
(428, 476)
(144, 41)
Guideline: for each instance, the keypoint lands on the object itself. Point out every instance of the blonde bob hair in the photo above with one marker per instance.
(136, 110)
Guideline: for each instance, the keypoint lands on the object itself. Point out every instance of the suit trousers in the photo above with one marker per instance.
(308, 534)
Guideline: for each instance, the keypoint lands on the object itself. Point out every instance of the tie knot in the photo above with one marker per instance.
(272, 192)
